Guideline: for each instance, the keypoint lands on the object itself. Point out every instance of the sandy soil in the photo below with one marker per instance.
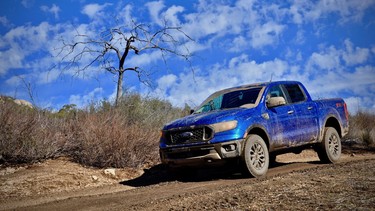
(296, 182)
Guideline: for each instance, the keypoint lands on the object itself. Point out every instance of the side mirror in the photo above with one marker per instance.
(191, 111)
(275, 101)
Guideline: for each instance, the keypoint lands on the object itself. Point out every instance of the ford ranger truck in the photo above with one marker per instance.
(253, 124)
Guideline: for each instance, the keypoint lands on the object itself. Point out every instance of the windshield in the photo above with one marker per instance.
(234, 99)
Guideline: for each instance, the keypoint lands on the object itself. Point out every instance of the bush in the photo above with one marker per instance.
(100, 135)
(362, 127)
(28, 135)
(107, 139)
(127, 135)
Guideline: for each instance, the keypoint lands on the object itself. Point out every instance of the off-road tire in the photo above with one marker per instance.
(255, 156)
(329, 150)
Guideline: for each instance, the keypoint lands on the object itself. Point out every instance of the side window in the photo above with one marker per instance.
(275, 91)
(295, 93)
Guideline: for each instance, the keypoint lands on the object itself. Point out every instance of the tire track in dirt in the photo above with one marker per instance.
(158, 189)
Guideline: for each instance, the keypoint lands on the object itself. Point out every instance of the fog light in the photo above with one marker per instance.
(230, 147)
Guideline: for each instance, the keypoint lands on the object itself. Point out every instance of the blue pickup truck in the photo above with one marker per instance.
(253, 124)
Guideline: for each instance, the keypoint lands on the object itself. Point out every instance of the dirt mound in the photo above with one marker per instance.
(56, 176)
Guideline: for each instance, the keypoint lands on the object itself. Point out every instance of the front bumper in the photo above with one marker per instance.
(196, 155)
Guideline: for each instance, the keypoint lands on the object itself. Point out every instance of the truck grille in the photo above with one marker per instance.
(195, 135)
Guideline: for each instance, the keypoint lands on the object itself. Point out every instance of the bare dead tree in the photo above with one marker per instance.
(110, 49)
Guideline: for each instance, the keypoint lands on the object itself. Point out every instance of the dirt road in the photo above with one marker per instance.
(296, 182)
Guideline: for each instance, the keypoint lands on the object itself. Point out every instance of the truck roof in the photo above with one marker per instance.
(254, 85)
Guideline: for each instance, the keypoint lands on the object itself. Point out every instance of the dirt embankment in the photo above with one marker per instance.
(296, 182)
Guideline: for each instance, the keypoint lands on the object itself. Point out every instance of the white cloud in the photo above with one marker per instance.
(353, 104)
(84, 100)
(28, 37)
(53, 9)
(190, 47)
(48, 76)
(335, 81)
(155, 8)
(360, 103)
(23, 41)
(93, 10)
(215, 19)
(125, 13)
(44, 40)
(144, 59)
(311, 11)
(239, 44)
(353, 56)
(4, 21)
(300, 37)
(169, 15)
(11, 58)
(266, 34)
(27, 3)
(332, 72)
(327, 60)
(338, 60)
(15, 81)
(295, 11)
(166, 81)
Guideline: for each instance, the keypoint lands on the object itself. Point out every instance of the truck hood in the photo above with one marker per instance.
(209, 118)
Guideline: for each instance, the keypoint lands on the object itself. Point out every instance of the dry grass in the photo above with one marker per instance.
(28, 135)
(101, 135)
(362, 127)
(107, 139)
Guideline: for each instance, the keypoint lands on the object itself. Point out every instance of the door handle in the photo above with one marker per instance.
(309, 108)
(290, 112)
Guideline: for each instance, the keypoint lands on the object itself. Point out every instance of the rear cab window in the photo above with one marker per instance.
(295, 93)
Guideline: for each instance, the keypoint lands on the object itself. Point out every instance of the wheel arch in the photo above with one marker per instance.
(332, 121)
(260, 131)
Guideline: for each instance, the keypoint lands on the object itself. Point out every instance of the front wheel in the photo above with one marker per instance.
(256, 156)
(329, 150)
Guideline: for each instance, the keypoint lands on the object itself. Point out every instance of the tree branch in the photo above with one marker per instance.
(114, 45)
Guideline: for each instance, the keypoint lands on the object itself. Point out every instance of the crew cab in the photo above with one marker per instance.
(253, 124)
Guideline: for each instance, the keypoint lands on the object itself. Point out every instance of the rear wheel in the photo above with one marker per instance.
(329, 150)
(256, 156)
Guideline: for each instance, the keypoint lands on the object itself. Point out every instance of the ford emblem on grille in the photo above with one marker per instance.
(187, 135)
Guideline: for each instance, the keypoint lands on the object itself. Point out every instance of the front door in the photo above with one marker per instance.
(283, 121)
(307, 114)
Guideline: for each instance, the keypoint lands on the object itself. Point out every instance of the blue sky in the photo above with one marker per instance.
(329, 45)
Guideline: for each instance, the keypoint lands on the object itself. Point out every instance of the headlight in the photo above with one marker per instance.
(224, 126)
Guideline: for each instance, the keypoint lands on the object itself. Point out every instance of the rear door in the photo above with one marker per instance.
(306, 111)
(283, 120)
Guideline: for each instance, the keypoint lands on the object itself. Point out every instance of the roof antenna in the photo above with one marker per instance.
(271, 77)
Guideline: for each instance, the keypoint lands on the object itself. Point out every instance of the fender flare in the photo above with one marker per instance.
(261, 131)
(332, 124)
